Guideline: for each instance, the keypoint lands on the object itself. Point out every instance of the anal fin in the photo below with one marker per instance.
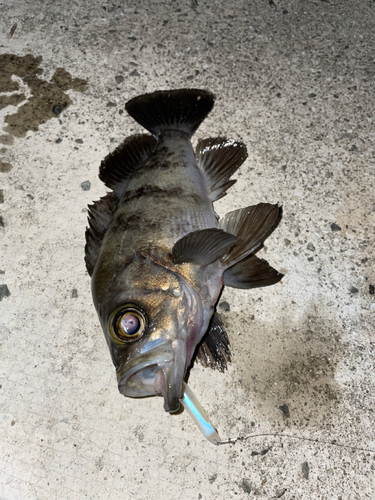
(219, 158)
(214, 351)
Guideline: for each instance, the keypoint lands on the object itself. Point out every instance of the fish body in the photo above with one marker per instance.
(158, 253)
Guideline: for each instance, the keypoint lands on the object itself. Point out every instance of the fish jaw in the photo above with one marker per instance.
(159, 371)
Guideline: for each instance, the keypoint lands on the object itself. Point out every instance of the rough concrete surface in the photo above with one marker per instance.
(295, 81)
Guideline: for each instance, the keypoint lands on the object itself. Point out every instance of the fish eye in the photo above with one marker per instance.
(126, 324)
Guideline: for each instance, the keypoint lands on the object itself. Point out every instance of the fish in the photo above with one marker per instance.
(159, 255)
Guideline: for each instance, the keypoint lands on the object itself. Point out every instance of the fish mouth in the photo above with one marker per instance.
(157, 372)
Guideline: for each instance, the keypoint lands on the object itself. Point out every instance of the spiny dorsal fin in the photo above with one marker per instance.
(219, 158)
(251, 272)
(99, 218)
(214, 349)
(182, 109)
(252, 225)
(202, 247)
(125, 159)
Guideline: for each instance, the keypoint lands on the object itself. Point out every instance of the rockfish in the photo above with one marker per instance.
(159, 255)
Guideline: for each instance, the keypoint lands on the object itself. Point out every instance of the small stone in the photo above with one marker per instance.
(134, 73)
(353, 148)
(57, 109)
(12, 423)
(4, 292)
(1, 196)
(199, 496)
(2, 222)
(335, 227)
(305, 470)
(266, 450)
(30, 196)
(74, 293)
(287, 242)
(283, 167)
(224, 306)
(246, 486)
(285, 409)
(371, 289)
(281, 493)
(119, 78)
(213, 478)
(278, 95)
(354, 290)
(58, 140)
(285, 11)
(311, 247)
(2, 272)
(254, 453)
(363, 261)
(311, 95)
(120, 111)
(111, 104)
(79, 141)
(86, 185)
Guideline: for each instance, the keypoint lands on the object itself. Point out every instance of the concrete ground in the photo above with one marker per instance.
(295, 81)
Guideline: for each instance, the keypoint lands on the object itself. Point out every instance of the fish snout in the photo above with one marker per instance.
(157, 373)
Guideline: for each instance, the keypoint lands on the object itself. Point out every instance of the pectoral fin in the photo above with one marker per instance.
(202, 247)
(251, 272)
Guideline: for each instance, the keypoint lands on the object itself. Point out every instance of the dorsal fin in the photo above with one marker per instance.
(252, 225)
(214, 350)
(99, 218)
(125, 159)
(219, 158)
(182, 109)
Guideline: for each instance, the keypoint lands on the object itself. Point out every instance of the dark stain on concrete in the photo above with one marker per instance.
(45, 98)
(293, 369)
(5, 167)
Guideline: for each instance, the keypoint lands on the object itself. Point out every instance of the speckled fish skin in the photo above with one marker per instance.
(147, 255)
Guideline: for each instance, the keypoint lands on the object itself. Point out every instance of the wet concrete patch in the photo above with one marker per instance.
(293, 373)
(47, 98)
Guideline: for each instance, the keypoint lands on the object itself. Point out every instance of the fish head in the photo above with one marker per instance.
(151, 318)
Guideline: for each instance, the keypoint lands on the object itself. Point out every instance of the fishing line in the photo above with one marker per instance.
(291, 436)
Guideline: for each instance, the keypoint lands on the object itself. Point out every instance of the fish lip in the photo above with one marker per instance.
(169, 370)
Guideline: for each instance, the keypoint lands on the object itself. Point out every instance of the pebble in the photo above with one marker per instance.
(305, 470)
(224, 306)
(4, 292)
(86, 185)
(57, 109)
(246, 486)
(285, 409)
(335, 227)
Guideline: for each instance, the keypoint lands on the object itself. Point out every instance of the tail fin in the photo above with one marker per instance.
(182, 109)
